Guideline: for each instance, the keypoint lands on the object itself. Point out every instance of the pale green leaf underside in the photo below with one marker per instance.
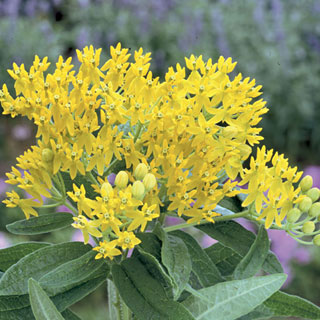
(233, 299)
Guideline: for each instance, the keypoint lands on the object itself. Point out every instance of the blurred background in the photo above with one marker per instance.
(277, 42)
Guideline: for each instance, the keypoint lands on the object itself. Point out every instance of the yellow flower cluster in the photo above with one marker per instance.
(182, 143)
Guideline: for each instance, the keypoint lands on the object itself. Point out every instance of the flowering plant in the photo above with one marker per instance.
(176, 148)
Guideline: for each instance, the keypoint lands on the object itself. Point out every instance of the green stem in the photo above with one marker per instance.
(52, 205)
(217, 219)
(112, 165)
(137, 134)
(91, 177)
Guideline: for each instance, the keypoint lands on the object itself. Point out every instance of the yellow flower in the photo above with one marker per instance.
(107, 250)
(127, 240)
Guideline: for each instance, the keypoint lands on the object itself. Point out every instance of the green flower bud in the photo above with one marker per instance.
(121, 180)
(293, 215)
(316, 240)
(149, 181)
(314, 211)
(314, 194)
(305, 204)
(140, 171)
(308, 227)
(138, 190)
(306, 183)
(47, 155)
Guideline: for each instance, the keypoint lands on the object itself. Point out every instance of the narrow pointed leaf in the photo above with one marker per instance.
(281, 304)
(114, 300)
(156, 270)
(223, 257)
(233, 299)
(69, 315)
(73, 273)
(202, 266)
(42, 307)
(231, 234)
(12, 255)
(42, 224)
(252, 262)
(175, 257)
(143, 294)
(37, 264)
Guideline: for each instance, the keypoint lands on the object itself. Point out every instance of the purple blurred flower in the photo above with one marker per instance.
(21, 132)
(63, 209)
(111, 178)
(4, 242)
(207, 241)
(314, 172)
(78, 236)
(3, 187)
(287, 249)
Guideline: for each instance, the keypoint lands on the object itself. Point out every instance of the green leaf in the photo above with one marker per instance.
(73, 273)
(175, 257)
(281, 304)
(18, 307)
(37, 264)
(223, 257)
(68, 298)
(143, 294)
(252, 262)
(156, 269)
(150, 243)
(42, 224)
(203, 267)
(12, 255)
(69, 315)
(8, 303)
(233, 204)
(233, 299)
(42, 307)
(231, 234)
(115, 303)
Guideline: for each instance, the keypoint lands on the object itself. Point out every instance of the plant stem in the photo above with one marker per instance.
(217, 219)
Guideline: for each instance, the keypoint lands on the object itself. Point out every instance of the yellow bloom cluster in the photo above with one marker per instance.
(182, 143)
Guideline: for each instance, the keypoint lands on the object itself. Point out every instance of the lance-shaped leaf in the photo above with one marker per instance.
(143, 294)
(73, 273)
(254, 259)
(12, 255)
(42, 307)
(281, 304)
(175, 257)
(42, 224)
(231, 234)
(18, 307)
(202, 266)
(233, 299)
(37, 264)
(223, 257)
(69, 315)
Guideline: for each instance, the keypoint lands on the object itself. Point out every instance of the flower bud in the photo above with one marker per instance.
(138, 190)
(308, 227)
(314, 194)
(316, 240)
(293, 215)
(47, 155)
(306, 183)
(305, 204)
(140, 171)
(121, 180)
(149, 181)
(106, 187)
(314, 211)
